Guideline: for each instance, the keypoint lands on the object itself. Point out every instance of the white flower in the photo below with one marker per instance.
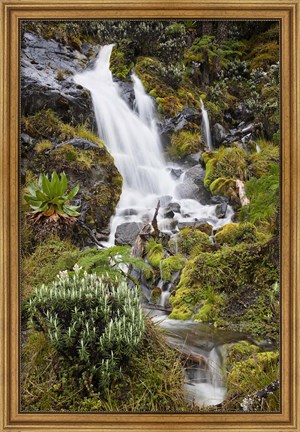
(63, 275)
(76, 268)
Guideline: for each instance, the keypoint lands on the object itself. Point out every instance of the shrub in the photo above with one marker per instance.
(49, 197)
(94, 323)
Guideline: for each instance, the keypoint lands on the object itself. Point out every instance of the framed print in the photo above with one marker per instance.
(150, 216)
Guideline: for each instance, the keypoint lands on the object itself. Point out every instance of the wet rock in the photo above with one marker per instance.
(127, 233)
(219, 199)
(192, 186)
(47, 70)
(168, 213)
(196, 175)
(221, 210)
(219, 134)
(129, 212)
(93, 168)
(175, 207)
(192, 159)
(176, 172)
(126, 92)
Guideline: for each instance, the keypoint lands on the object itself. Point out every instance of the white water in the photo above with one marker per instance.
(131, 136)
(206, 126)
(204, 383)
(205, 386)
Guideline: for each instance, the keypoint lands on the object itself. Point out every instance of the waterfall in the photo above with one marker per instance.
(205, 386)
(206, 126)
(132, 137)
(129, 136)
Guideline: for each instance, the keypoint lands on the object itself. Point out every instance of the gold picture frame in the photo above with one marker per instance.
(287, 12)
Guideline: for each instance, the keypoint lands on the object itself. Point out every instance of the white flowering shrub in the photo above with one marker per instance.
(93, 322)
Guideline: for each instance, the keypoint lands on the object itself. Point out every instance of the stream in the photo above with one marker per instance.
(132, 137)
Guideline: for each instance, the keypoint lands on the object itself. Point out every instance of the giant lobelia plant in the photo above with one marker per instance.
(49, 198)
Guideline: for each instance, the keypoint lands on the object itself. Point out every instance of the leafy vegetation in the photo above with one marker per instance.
(94, 323)
(50, 198)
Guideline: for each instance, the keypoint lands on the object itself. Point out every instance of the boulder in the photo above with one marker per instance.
(47, 70)
(175, 207)
(192, 186)
(176, 172)
(221, 210)
(92, 167)
(127, 233)
(219, 134)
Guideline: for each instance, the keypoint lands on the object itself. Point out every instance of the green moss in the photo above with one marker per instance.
(262, 162)
(227, 163)
(45, 125)
(246, 274)
(43, 145)
(223, 186)
(155, 253)
(263, 194)
(120, 61)
(183, 303)
(149, 274)
(264, 55)
(234, 233)
(155, 295)
(210, 306)
(192, 240)
(239, 352)
(48, 259)
(184, 143)
(171, 265)
(253, 374)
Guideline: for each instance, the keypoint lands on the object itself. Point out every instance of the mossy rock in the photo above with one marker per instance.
(211, 304)
(155, 253)
(238, 352)
(155, 295)
(88, 164)
(121, 60)
(170, 101)
(234, 233)
(46, 126)
(192, 240)
(251, 375)
(184, 143)
(183, 302)
(171, 265)
(247, 275)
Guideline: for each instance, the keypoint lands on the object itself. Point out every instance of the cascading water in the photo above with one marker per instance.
(133, 143)
(133, 139)
(131, 136)
(206, 126)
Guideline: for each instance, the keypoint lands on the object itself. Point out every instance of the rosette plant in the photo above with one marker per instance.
(49, 198)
